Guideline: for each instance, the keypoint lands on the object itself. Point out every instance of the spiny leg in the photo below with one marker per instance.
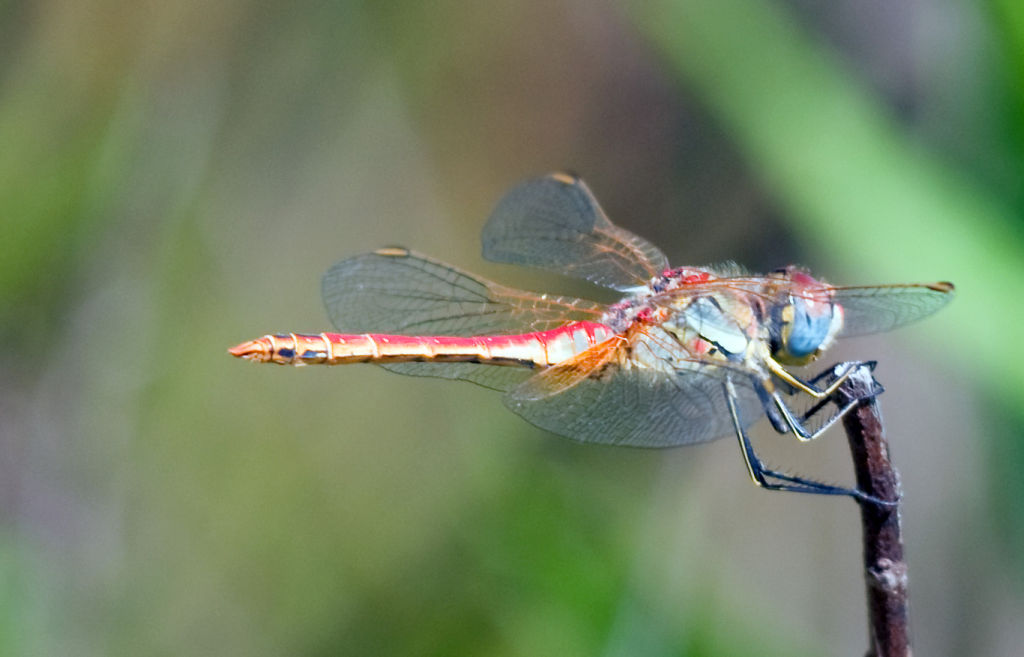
(764, 477)
(782, 417)
(841, 371)
(809, 388)
(835, 371)
(796, 424)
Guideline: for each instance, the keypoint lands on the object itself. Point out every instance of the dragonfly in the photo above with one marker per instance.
(687, 355)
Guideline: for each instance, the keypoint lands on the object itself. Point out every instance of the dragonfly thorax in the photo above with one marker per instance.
(789, 313)
(709, 321)
(648, 301)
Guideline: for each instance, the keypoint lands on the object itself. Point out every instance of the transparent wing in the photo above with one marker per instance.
(556, 223)
(639, 408)
(495, 377)
(398, 291)
(651, 399)
(883, 308)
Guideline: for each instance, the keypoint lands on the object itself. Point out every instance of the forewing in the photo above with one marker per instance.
(398, 291)
(556, 223)
(883, 308)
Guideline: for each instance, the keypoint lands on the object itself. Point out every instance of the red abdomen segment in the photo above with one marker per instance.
(541, 348)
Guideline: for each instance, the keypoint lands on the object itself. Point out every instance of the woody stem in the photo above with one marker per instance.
(885, 571)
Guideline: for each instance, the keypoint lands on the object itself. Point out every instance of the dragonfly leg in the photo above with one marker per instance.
(840, 372)
(770, 406)
(770, 479)
(796, 424)
(782, 417)
(811, 388)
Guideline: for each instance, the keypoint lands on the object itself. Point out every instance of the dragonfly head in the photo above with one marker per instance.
(806, 321)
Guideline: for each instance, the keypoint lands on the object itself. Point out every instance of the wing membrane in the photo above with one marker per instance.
(495, 377)
(556, 223)
(883, 308)
(638, 407)
(649, 394)
(399, 291)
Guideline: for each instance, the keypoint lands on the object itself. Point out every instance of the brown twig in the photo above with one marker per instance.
(884, 569)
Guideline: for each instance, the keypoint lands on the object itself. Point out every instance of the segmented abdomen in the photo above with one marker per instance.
(541, 348)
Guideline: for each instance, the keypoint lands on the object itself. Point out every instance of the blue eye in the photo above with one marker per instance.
(806, 332)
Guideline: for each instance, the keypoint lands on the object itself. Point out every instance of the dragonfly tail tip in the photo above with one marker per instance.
(251, 350)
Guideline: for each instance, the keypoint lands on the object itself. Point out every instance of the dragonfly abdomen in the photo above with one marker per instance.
(541, 348)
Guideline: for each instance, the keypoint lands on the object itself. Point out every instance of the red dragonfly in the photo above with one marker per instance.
(687, 355)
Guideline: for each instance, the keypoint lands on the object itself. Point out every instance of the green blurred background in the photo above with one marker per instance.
(175, 177)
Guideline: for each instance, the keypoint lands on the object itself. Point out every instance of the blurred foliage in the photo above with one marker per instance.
(174, 177)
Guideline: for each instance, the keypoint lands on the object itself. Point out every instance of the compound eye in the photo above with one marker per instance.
(807, 328)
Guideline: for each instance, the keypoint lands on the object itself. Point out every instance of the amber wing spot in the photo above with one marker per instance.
(569, 373)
